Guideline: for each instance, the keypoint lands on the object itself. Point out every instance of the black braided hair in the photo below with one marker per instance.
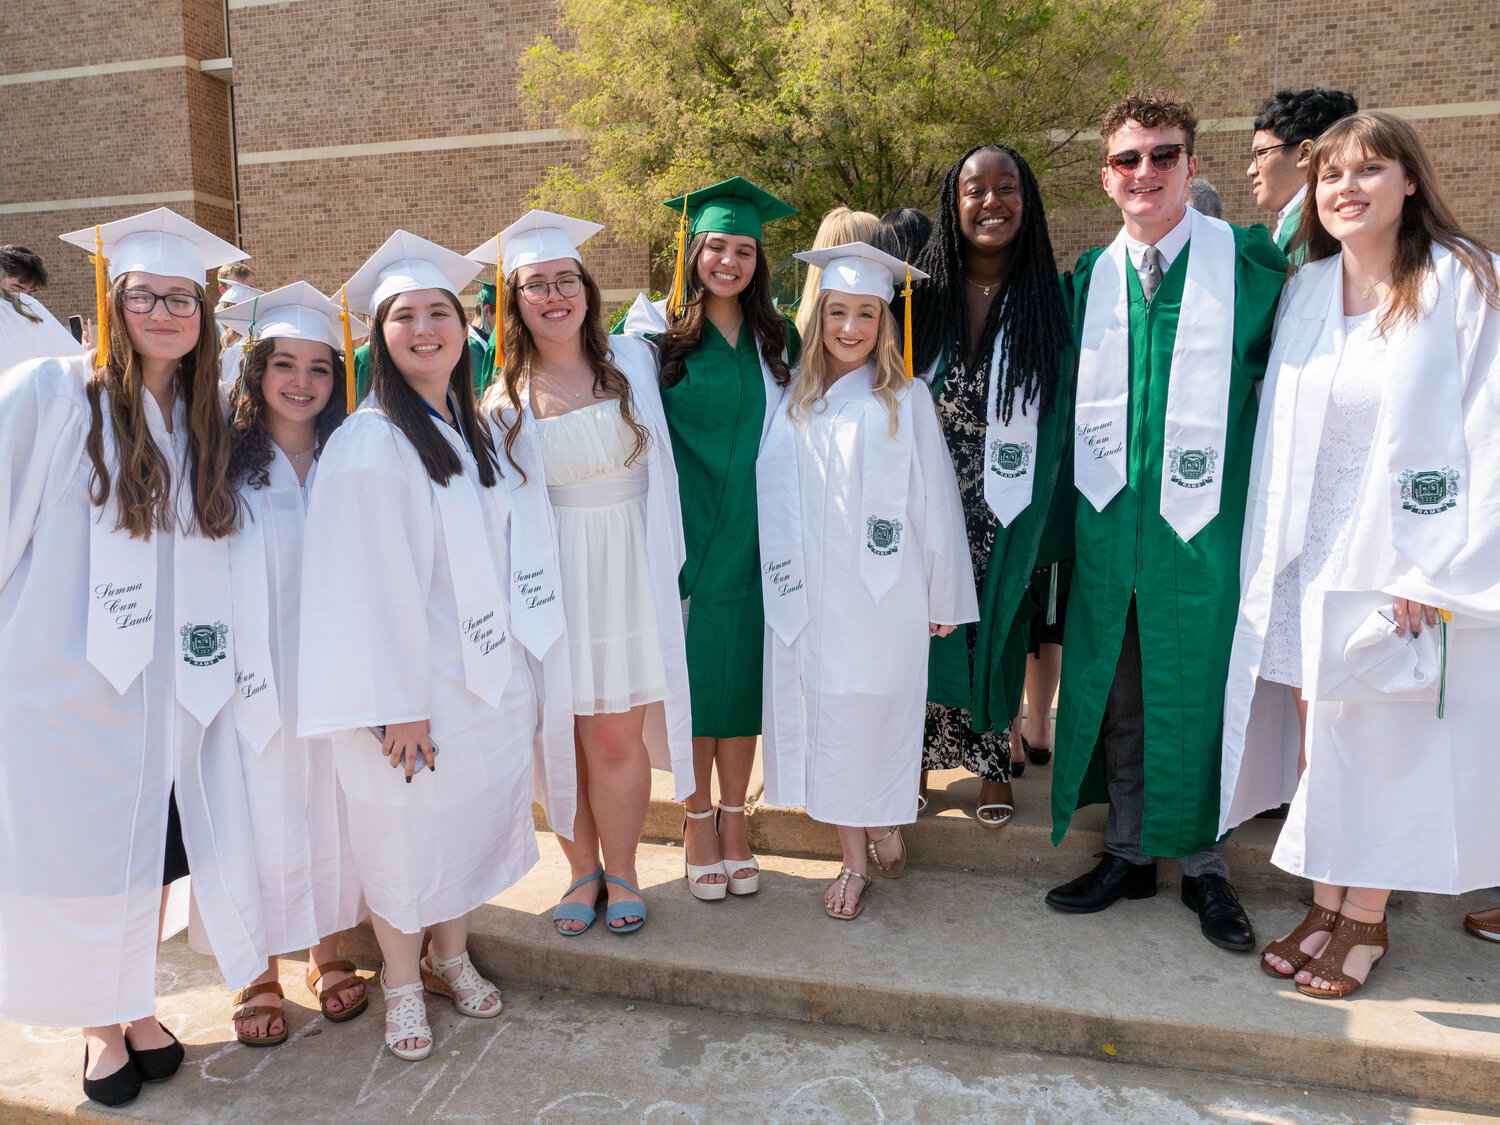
(1026, 315)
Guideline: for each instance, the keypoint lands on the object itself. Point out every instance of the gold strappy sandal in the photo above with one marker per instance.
(845, 874)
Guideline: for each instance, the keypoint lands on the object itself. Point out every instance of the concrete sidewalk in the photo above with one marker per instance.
(561, 1057)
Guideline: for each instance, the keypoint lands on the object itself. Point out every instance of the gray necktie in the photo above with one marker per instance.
(1152, 277)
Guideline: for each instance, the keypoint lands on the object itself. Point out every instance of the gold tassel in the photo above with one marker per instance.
(679, 277)
(906, 338)
(101, 302)
(350, 386)
(499, 329)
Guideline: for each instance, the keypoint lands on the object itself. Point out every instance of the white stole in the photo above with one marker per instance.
(887, 476)
(778, 502)
(1197, 411)
(1009, 450)
(257, 707)
(536, 609)
(482, 619)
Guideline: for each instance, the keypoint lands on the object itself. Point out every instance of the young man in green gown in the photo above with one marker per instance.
(1163, 430)
(1285, 129)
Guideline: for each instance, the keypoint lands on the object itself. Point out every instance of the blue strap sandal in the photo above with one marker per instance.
(577, 911)
(627, 909)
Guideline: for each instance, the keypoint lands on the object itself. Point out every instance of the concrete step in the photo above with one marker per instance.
(978, 958)
(556, 1057)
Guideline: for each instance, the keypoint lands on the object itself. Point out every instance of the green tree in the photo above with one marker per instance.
(825, 102)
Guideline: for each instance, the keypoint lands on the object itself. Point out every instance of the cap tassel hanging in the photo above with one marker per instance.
(679, 276)
(101, 302)
(906, 326)
(245, 350)
(349, 376)
(499, 330)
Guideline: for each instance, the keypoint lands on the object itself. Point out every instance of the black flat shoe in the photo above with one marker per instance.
(1112, 879)
(1220, 916)
(1017, 768)
(1038, 757)
(113, 1089)
(159, 1063)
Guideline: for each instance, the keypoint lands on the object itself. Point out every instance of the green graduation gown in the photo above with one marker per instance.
(1039, 536)
(715, 415)
(1186, 594)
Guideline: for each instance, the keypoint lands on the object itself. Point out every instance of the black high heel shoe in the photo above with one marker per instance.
(159, 1063)
(113, 1089)
(1038, 757)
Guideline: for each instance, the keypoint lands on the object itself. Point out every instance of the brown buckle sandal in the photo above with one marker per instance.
(315, 973)
(244, 1010)
(1330, 965)
(1319, 920)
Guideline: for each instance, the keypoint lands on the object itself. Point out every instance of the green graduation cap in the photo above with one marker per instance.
(487, 293)
(735, 206)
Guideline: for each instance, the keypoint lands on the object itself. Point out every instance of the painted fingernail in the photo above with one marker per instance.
(408, 779)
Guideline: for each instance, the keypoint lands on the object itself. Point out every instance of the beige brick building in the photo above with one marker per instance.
(332, 122)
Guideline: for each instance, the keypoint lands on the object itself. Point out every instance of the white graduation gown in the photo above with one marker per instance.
(229, 366)
(381, 644)
(309, 883)
(22, 338)
(1392, 797)
(87, 769)
(845, 702)
(669, 723)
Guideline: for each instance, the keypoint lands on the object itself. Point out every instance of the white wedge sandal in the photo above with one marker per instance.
(406, 1009)
(435, 979)
(751, 883)
(692, 872)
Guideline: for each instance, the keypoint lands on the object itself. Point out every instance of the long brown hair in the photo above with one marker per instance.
(806, 396)
(143, 490)
(1425, 215)
(520, 349)
(403, 406)
(686, 336)
(250, 453)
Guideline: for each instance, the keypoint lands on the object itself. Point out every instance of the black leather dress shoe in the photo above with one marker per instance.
(113, 1089)
(159, 1063)
(1220, 916)
(1114, 878)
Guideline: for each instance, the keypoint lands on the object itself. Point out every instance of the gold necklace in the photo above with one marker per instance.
(985, 289)
(1364, 294)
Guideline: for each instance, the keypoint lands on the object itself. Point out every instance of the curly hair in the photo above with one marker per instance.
(250, 453)
(1151, 109)
(1294, 116)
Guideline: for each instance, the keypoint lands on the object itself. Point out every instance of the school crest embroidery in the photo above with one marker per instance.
(1427, 492)
(882, 537)
(1193, 468)
(1010, 458)
(203, 645)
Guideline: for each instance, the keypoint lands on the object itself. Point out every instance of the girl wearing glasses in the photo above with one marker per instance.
(582, 419)
(283, 409)
(724, 359)
(1372, 560)
(117, 647)
(407, 657)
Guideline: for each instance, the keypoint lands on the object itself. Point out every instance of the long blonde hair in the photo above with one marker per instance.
(806, 397)
(839, 226)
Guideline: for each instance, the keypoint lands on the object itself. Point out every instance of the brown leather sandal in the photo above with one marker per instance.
(1347, 933)
(1319, 920)
(316, 973)
(244, 1010)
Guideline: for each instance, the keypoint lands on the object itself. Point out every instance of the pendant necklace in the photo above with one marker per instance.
(985, 289)
(1364, 294)
(297, 457)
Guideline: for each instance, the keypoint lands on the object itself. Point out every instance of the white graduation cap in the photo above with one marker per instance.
(406, 262)
(537, 236)
(857, 268)
(160, 242)
(296, 311)
(237, 291)
(1362, 659)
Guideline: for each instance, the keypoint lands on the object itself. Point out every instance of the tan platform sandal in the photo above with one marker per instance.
(315, 973)
(1347, 933)
(1319, 920)
(845, 874)
(893, 869)
(244, 1010)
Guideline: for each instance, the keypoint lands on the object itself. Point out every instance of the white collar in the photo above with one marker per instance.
(1170, 245)
(1290, 204)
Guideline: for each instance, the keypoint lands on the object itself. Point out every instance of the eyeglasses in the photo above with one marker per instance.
(568, 285)
(144, 301)
(1258, 154)
(1163, 158)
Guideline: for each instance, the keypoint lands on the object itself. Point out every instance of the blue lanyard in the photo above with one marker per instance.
(453, 408)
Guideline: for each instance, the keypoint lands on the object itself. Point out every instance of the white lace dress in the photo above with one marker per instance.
(599, 503)
(1348, 431)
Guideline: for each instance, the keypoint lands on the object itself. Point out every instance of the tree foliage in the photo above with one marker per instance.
(825, 102)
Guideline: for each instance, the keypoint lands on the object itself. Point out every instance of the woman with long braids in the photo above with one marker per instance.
(990, 330)
(724, 360)
(118, 654)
